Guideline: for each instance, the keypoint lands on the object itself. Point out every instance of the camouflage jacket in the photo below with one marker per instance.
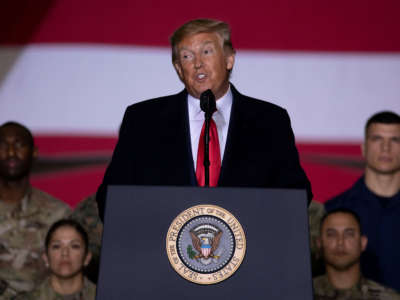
(364, 290)
(87, 214)
(316, 211)
(6, 293)
(23, 228)
(46, 292)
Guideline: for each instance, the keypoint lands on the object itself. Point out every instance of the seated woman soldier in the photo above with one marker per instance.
(66, 255)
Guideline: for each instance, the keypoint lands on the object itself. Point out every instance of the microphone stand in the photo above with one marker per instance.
(207, 104)
(207, 149)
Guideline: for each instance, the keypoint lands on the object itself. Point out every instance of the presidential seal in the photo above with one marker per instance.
(205, 244)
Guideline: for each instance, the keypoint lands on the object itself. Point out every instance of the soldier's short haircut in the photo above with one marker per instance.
(67, 223)
(383, 117)
(24, 128)
(342, 210)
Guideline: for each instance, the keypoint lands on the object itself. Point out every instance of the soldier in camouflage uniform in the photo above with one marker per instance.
(66, 255)
(364, 290)
(46, 292)
(316, 211)
(87, 214)
(26, 213)
(341, 243)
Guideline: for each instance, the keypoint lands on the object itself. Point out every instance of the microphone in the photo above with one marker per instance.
(207, 102)
(208, 105)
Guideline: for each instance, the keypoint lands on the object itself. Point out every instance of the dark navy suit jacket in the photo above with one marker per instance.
(154, 147)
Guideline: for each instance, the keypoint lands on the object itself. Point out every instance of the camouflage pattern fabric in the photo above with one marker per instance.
(87, 214)
(316, 211)
(6, 293)
(46, 292)
(23, 228)
(364, 290)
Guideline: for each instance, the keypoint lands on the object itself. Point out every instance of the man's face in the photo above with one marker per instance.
(381, 148)
(16, 153)
(203, 64)
(341, 242)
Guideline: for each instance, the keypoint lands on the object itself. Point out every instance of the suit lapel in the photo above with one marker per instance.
(177, 138)
(238, 124)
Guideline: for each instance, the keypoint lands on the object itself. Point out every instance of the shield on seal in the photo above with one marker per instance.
(205, 250)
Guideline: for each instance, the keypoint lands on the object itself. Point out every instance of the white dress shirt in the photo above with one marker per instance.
(220, 117)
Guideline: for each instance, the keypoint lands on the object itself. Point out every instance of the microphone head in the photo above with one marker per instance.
(207, 101)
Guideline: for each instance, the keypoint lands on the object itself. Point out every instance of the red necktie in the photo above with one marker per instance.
(215, 156)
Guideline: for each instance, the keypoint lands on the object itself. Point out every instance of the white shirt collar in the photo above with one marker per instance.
(221, 118)
(224, 105)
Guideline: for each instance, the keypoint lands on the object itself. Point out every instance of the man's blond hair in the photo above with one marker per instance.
(201, 26)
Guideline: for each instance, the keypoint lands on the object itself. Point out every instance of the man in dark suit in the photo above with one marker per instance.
(159, 138)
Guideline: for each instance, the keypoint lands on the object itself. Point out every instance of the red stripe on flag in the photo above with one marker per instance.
(327, 165)
(314, 25)
(70, 186)
(56, 145)
(20, 19)
(329, 181)
(349, 149)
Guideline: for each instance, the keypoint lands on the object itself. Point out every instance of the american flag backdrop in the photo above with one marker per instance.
(69, 68)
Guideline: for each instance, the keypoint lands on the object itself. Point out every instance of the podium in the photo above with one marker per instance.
(136, 264)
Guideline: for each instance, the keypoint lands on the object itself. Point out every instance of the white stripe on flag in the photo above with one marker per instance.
(85, 88)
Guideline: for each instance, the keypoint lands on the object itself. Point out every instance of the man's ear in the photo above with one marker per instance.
(230, 61)
(364, 242)
(362, 146)
(178, 69)
(35, 152)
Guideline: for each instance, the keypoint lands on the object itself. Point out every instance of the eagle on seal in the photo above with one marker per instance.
(206, 240)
